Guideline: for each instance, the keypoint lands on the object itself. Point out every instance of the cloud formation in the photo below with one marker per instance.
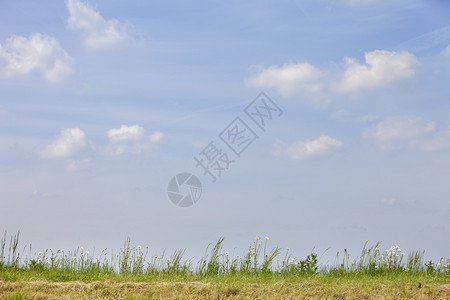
(291, 79)
(97, 32)
(381, 68)
(126, 133)
(439, 141)
(398, 128)
(70, 142)
(321, 146)
(39, 53)
(131, 139)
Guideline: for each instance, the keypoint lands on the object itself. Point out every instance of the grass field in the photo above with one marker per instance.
(260, 272)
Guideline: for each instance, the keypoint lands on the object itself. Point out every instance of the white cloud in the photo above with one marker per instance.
(381, 68)
(126, 133)
(97, 32)
(439, 141)
(400, 128)
(70, 142)
(39, 52)
(323, 145)
(291, 79)
(131, 139)
(156, 136)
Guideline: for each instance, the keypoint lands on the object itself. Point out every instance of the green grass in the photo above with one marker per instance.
(259, 264)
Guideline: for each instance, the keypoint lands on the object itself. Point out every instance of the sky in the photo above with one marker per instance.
(103, 102)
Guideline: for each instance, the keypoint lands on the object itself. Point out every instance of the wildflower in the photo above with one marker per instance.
(226, 253)
(259, 244)
(139, 247)
(257, 237)
(156, 257)
(267, 237)
(87, 252)
(40, 253)
(150, 263)
(81, 248)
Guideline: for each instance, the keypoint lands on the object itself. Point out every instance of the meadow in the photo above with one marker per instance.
(259, 272)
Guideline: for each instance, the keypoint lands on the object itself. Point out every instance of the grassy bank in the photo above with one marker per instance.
(259, 272)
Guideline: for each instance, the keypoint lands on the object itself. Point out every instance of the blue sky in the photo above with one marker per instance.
(102, 102)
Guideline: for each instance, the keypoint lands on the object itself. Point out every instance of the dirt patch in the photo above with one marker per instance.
(195, 290)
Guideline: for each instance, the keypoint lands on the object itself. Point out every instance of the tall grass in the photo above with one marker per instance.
(135, 262)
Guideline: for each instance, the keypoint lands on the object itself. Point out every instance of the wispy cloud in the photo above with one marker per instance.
(398, 128)
(439, 141)
(40, 52)
(321, 146)
(70, 142)
(97, 32)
